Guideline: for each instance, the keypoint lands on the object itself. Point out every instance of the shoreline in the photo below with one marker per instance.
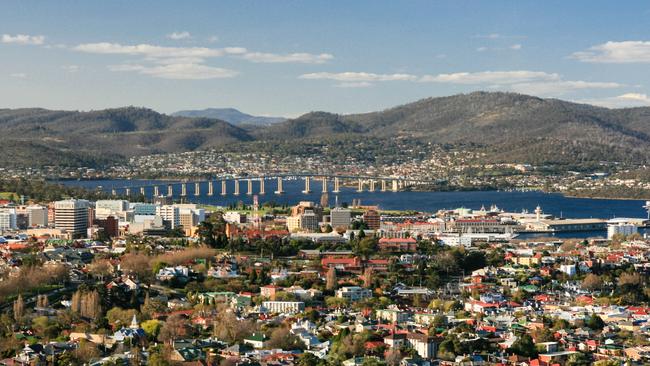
(460, 189)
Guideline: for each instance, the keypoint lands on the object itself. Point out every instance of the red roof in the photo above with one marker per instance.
(397, 240)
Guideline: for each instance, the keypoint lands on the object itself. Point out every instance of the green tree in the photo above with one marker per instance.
(524, 346)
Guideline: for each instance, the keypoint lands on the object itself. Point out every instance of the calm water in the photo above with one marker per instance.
(554, 204)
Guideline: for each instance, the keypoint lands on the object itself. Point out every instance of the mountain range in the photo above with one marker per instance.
(230, 115)
(505, 126)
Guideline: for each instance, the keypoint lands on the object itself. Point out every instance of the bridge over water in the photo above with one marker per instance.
(256, 185)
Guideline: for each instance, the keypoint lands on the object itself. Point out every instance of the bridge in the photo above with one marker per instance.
(257, 185)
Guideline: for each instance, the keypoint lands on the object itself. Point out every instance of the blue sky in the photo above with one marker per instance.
(290, 57)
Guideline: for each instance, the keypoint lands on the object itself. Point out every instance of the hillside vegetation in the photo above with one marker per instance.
(509, 127)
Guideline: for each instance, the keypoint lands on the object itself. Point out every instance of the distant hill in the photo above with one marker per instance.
(39, 136)
(512, 127)
(230, 115)
(507, 127)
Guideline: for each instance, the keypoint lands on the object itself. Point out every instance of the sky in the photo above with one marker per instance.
(286, 58)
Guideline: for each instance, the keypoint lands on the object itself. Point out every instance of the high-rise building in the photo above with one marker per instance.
(105, 208)
(170, 214)
(146, 209)
(37, 216)
(303, 206)
(309, 221)
(110, 225)
(340, 217)
(7, 219)
(72, 216)
(372, 219)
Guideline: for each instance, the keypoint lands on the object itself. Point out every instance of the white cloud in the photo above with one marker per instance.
(22, 39)
(213, 39)
(490, 77)
(358, 76)
(624, 52)
(18, 75)
(178, 71)
(523, 81)
(179, 35)
(516, 47)
(150, 50)
(305, 58)
(622, 101)
(481, 49)
(357, 84)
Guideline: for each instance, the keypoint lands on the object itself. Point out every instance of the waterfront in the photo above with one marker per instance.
(552, 203)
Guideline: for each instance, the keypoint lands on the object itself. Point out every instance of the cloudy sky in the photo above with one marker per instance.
(286, 58)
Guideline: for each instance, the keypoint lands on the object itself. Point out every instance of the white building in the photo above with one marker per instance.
(8, 219)
(171, 214)
(287, 307)
(569, 269)
(72, 216)
(234, 217)
(353, 293)
(105, 208)
(623, 228)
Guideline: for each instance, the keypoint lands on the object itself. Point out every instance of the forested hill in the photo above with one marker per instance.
(39, 137)
(512, 127)
(509, 127)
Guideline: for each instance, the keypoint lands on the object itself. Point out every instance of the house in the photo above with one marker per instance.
(397, 245)
(256, 340)
(353, 293)
(287, 307)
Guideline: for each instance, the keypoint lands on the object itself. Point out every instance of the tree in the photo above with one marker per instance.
(335, 302)
(151, 328)
(308, 359)
(331, 282)
(101, 268)
(45, 328)
(594, 322)
(367, 277)
(524, 346)
(19, 308)
(474, 260)
(447, 262)
(592, 282)
(366, 246)
(578, 359)
(86, 351)
(393, 357)
(138, 265)
(176, 326)
(283, 339)
(118, 317)
(230, 329)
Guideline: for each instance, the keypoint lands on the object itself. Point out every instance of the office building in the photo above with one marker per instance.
(340, 217)
(72, 216)
(8, 219)
(105, 208)
(372, 219)
(170, 215)
(38, 216)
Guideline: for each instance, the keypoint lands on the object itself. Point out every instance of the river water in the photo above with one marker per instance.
(551, 203)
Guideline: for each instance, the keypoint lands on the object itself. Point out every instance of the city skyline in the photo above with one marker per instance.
(287, 59)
